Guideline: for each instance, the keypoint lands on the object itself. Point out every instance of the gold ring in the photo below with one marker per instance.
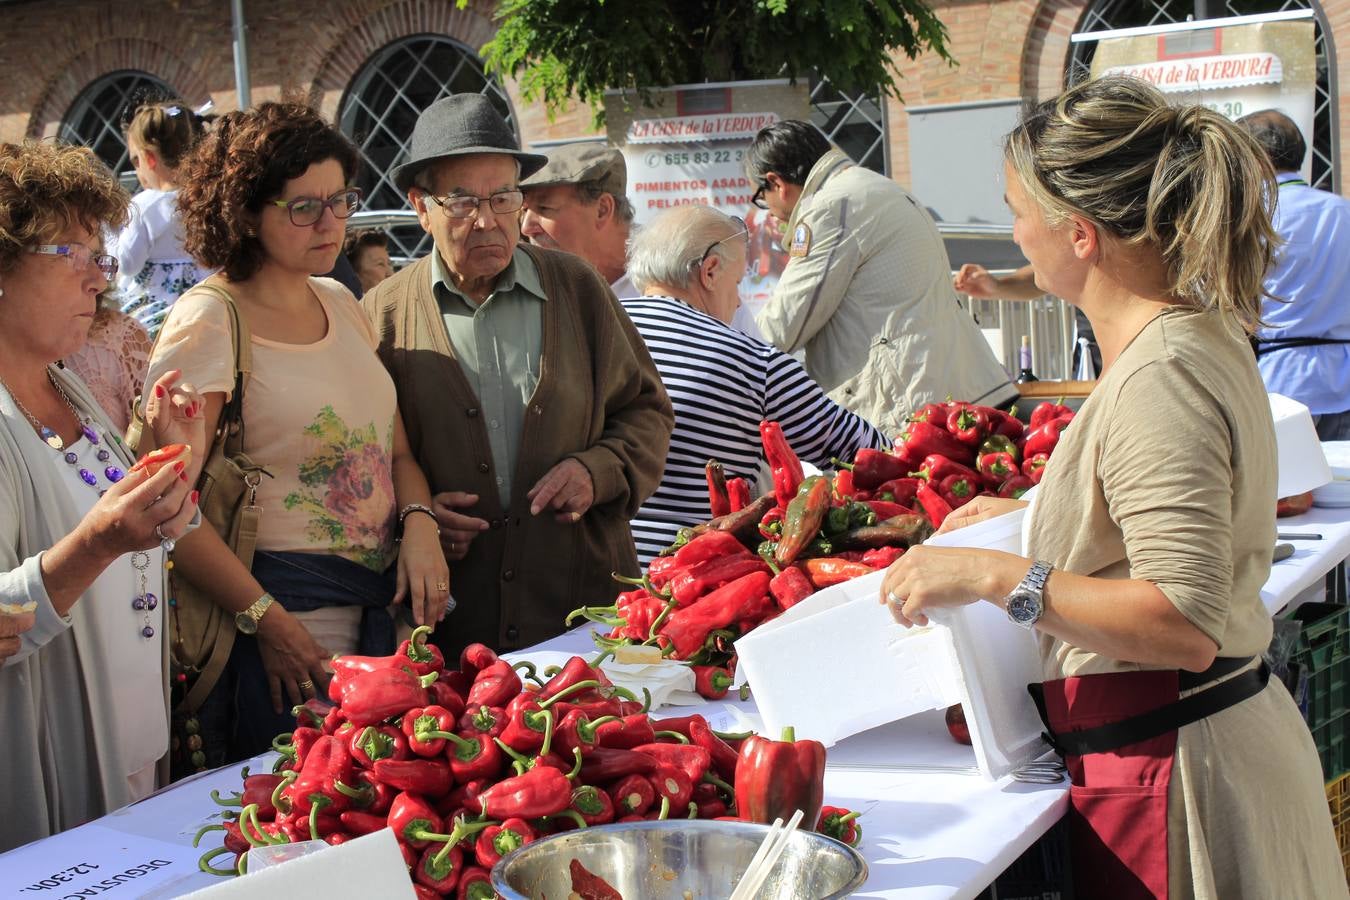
(443, 587)
(306, 685)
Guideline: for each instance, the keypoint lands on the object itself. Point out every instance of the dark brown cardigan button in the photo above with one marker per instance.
(471, 412)
(512, 633)
(508, 574)
(483, 467)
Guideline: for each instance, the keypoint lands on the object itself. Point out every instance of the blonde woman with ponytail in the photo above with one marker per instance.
(155, 268)
(1193, 773)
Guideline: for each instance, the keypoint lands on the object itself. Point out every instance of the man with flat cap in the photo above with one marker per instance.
(529, 398)
(578, 202)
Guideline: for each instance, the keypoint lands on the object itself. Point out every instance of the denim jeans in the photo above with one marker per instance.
(237, 720)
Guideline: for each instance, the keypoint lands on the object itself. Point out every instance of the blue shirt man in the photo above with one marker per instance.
(1304, 352)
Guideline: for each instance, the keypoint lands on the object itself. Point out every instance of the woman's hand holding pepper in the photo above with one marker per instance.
(423, 576)
(927, 578)
(174, 412)
(139, 511)
(978, 510)
(290, 656)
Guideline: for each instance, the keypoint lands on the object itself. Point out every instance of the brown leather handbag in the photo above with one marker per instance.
(201, 632)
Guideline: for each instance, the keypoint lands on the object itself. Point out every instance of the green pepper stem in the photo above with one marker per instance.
(679, 738)
(462, 829)
(205, 863)
(840, 464)
(576, 768)
(316, 804)
(248, 821)
(693, 810)
(519, 761)
(573, 815)
(278, 801)
(734, 735)
(665, 808)
(550, 671)
(361, 796)
(789, 734)
(417, 645)
(658, 622)
(203, 830)
(569, 691)
(241, 864)
(601, 657)
(645, 582)
(548, 731)
(429, 679)
(285, 745)
(234, 800)
(530, 671)
(710, 778)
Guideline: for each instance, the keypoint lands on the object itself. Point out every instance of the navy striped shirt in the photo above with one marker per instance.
(722, 383)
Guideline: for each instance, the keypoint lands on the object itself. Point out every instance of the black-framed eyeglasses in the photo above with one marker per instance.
(464, 206)
(79, 256)
(306, 211)
(757, 198)
(742, 230)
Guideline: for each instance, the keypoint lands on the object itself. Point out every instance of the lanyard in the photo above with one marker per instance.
(1293, 181)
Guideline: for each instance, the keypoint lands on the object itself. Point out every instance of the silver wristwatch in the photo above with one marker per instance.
(1026, 603)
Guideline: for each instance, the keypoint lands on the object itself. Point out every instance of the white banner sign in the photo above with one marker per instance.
(717, 127)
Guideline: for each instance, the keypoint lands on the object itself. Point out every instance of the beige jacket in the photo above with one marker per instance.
(868, 296)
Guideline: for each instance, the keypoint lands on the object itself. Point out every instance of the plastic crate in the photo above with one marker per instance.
(1318, 677)
(1338, 798)
(1041, 873)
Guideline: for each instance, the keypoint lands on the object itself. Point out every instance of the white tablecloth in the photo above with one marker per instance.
(1306, 570)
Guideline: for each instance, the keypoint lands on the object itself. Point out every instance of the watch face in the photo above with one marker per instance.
(1023, 608)
(245, 623)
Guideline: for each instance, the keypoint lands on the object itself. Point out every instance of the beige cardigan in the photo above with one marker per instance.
(599, 400)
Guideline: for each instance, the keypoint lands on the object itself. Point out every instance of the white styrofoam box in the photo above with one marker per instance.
(367, 866)
(1302, 464)
(971, 655)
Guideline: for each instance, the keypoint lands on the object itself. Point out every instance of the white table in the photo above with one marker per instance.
(939, 832)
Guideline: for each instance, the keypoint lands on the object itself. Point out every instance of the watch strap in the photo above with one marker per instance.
(260, 606)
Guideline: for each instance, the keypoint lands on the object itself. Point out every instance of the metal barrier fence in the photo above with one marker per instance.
(1047, 321)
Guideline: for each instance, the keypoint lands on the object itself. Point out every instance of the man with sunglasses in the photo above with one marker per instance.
(867, 289)
(529, 397)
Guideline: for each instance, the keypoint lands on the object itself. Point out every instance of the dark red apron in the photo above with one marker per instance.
(1118, 799)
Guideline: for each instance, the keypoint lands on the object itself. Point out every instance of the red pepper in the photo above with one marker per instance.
(968, 424)
(802, 519)
(542, 791)
(577, 731)
(605, 764)
(958, 490)
(1016, 486)
(1046, 411)
(672, 782)
(997, 467)
(414, 822)
(372, 796)
(474, 757)
(457, 800)
(423, 727)
(475, 658)
(719, 501)
(530, 730)
(586, 885)
(486, 720)
(826, 571)
(712, 682)
(691, 759)
(1006, 423)
(689, 586)
(790, 587)
(840, 824)
(932, 414)
(593, 805)
(776, 778)
(326, 764)
(376, 742)
(624, 733)
(935, 468)
(633, 795)
(312, 712)
(844, 484)
(881, 557)
(360, 822)
(873, 468)
(1044, 439)
(346, 668)
(494, 686)
(372, 697)
(900, 491)
(922, 440)
(678, 724)
(784, 465)
(575, 671)
(439, 868)
(475, 883)
(301, 740)
(710, 808)
(444, 695)
(885, 509)
(424, 658)
(428, 777)
(708, 545)
(934, 507)
(1033, 466)
(722, 755)
(688, 628)
(771, 526)
(421, 891)
(496, 841)
(738, 489)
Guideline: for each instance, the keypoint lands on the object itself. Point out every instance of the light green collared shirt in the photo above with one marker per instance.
(498, 343)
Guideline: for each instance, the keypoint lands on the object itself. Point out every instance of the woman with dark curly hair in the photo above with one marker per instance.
(265, 199)
(82, 688)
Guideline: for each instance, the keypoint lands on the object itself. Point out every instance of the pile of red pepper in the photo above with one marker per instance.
(466, 763)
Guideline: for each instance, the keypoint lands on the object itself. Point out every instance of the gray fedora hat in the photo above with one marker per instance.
(460, 125)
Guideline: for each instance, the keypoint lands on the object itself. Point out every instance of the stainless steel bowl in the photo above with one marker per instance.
(659, 860)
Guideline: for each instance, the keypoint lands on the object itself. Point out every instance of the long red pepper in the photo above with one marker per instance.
(922, 440)
(738, 491)
(438, 869)
(475, 883)
(873, 468)
(593, 805)
(790, 587)
(784, 465)
(673, 785)
(494, 686)
(542, 791)
(475, 658)
(688, 628)
(1046, 411)
(574, 671)
(968, 424)
(376, 742)
(934, 507)
(689, 586)
(372, 697)
(1044, 438)
(802, 519)
(722, 755)
(827, 570)
(605, 764)
(427, 777)
(690, 759)
(719, 501)
(624, 733)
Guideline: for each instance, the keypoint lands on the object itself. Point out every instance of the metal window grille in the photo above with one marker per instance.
(383, 103)
(95, 118)
(1106, 15)
(855, 121)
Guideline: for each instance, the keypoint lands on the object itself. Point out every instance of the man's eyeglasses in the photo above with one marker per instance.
(79, 256)
(306, 211)
(741, 230)
(464, 206)
(757, 198)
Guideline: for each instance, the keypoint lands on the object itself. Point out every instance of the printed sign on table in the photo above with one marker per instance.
(95, 861)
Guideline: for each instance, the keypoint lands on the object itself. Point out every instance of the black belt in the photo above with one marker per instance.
(1168, 717)
(1262, 346)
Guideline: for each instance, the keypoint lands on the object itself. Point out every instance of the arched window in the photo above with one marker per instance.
(95, 118)
(1107, 15)
(383, 103)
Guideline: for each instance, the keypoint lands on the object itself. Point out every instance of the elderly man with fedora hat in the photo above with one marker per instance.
(577, 202)
(529, 398)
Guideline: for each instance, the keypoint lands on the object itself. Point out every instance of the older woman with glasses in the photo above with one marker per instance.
(688, 262)
(81, 566)
(265, 199)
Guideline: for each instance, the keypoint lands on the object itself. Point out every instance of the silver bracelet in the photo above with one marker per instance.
(409, 510)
